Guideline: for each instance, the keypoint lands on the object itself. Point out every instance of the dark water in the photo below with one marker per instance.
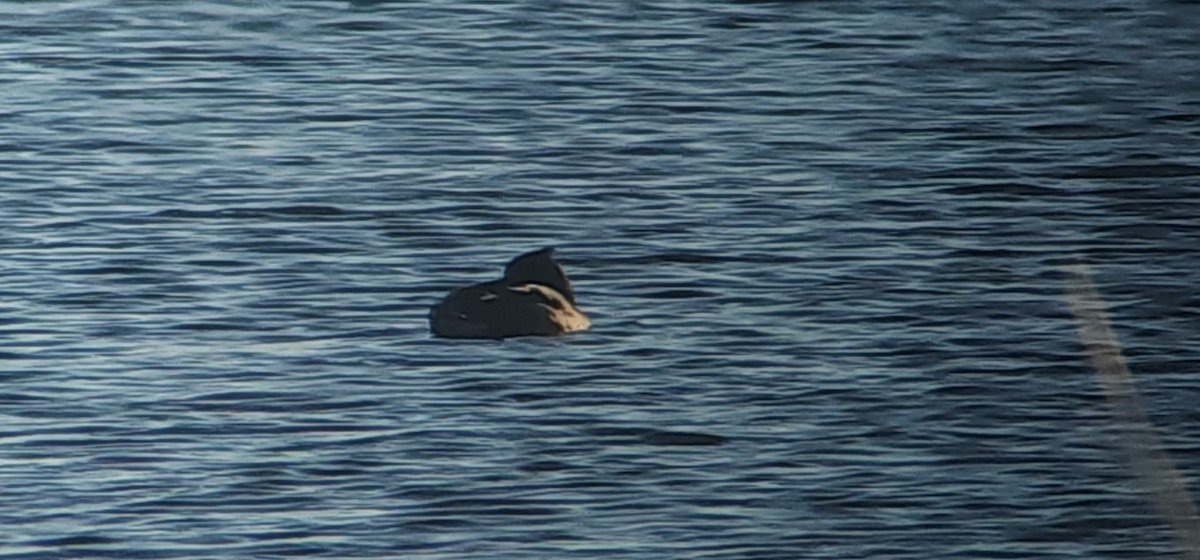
(819, 242)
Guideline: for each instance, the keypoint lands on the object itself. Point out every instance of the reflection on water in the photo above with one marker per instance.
(1148, 460)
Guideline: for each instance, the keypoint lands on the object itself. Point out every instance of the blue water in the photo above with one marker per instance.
(819, 242)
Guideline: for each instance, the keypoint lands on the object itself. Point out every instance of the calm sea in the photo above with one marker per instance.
(820, 241)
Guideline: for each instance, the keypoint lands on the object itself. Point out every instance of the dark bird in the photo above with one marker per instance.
(533, 299)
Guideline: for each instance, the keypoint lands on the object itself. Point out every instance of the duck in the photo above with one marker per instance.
(534, 298)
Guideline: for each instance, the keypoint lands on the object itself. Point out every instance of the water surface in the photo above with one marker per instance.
(819, 242)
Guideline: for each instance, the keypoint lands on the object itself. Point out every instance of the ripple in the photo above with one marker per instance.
(819, 242)
(1137, 171)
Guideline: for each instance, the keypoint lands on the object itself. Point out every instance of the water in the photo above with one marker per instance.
(819, 242)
